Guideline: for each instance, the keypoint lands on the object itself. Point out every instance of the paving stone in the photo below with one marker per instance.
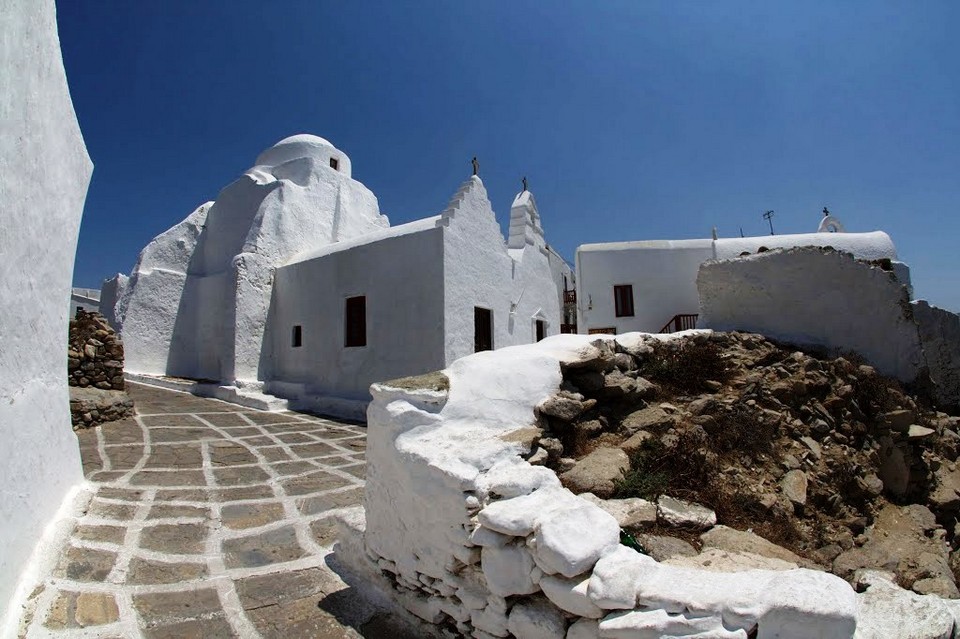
(324, 531)
(169, 435)
(357, 444)
(327, 433)
(230, 454)
(180, 539)
(295, 438)
(275, 454)
(150, 399)
(313, 483)
(216, 628)
(166, 511)
(108, 534)
(359, 471)
(271, 547)
(147, 571)
(124, 457)
(298, 619)
(168, 478)
(60, 615)
(339, 499)
(239, 476)
(173, 607)
(122, 431)
(334, 462)
(154, 422)
(290, 427)
(175, 456)
(281, 587)
(242, 493)
(108, 510)
(240, 516)
(127, 494)
(261, 440)
(182, 495)
(86, 564)
(293, 468)
(318, 449)
(268, 418)
(96, 609)
(226, 420)
(105, 475)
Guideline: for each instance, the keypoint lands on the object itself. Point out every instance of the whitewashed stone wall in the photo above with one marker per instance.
(44, 173)
(812, 296)
(475, 538)
(940, 336)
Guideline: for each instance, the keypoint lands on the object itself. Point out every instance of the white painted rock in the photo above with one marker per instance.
(514, 477)
(518, 516)
(584, 629)
(887, 610)
(507, 570)
(571, 595)
(657, 623)
(628, 512)
(536, 619)
(570, 541)
(677, 512)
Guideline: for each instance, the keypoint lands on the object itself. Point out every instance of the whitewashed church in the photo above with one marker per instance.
(293, 283)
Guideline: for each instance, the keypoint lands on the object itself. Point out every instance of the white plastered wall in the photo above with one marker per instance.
(517, 285)
(401, 277)
(44, 173)
(197, 302)
(663, 273)
(808, 296)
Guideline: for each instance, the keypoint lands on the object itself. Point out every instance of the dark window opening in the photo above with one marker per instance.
(297, 336)
(541, 330)
(355, 321)
(623, 300)
(335, 164)
(482, 329)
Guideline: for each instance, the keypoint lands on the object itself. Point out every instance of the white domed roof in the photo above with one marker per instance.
(296, 146)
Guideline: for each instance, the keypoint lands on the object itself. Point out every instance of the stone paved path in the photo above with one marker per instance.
(209, 520)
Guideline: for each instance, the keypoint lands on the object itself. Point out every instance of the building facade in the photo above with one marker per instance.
(293, 283)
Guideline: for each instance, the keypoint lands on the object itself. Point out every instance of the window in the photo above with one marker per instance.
(297, 340)
(541, 329)
(335, 164)
(607, 330)
(482, 329)
(355, 321)
(623, 300)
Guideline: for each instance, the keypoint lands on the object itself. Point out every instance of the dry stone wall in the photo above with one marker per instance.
(95, 367)
(95, 355)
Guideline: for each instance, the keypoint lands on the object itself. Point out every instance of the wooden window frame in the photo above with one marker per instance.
(355, 321)
(623, 300)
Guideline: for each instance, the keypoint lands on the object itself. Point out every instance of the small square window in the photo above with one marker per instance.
(623, 300)
(335, 164)
(355, 321)
(297, 340)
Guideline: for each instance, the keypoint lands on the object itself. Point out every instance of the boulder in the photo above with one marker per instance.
(794, 487)
(685, 514)
(887, 611)
(739, 541)
(565, 406)
(651, 418)
(629, 512)
(597, 472)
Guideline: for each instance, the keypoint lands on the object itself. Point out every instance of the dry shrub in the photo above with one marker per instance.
(685, 366)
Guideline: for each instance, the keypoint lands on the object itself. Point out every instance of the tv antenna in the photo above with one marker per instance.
(768, 216)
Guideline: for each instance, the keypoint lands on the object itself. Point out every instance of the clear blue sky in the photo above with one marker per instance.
(632, 120)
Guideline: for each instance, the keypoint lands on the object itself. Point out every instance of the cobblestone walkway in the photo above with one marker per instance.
(209, 520)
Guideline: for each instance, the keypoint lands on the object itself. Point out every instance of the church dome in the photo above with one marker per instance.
(305, 145)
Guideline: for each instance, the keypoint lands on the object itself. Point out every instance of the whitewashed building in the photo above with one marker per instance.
(651, 286)
(84, 299)
(293, 283)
